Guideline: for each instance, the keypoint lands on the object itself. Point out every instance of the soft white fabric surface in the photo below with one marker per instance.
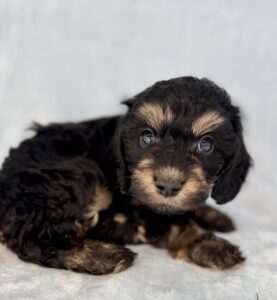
(72, 60)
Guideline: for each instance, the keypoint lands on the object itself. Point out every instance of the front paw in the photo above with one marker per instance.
(215, 252)
(98, 258)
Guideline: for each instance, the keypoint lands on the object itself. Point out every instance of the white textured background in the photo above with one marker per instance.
(73, 60)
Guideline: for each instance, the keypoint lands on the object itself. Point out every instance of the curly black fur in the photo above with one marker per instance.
(73, 189)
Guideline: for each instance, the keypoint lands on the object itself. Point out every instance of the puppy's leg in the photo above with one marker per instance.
(199, 246)
(96, 258)
(48, 213)
(180, 235)
(120, 228)
(212, 219)
(86, 256)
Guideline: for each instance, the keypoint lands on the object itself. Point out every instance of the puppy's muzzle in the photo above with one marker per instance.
(168, 185)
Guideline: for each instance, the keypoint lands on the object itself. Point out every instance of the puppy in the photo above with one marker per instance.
(74, 194)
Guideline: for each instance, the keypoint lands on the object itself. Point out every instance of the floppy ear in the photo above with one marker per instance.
(122, 171)
(234, 173)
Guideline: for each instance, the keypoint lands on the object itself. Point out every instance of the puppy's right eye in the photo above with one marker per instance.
(147, 137)
(205, 145)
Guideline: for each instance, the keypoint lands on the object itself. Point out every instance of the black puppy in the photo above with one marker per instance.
(74, 194)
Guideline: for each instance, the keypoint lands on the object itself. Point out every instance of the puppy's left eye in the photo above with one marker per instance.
(206, 145)
(147, 137)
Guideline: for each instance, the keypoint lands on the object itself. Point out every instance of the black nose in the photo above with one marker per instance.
(168, 187)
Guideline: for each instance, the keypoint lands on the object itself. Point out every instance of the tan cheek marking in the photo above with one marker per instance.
(209, 121)
(145, 177)
(192, 186)
(195, 183)
(154, 114)
(143, 173)
(145, 163)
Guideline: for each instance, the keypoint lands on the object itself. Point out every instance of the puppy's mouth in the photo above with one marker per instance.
(167, 189)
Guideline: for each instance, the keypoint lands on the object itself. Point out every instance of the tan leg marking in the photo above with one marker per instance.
(101, 200)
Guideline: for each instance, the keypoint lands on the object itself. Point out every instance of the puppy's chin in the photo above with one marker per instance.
(170, 205)
(171, 210)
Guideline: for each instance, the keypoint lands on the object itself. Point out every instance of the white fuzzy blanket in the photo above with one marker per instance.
(74, 59)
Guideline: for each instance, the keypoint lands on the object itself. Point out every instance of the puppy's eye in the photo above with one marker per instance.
(205, 145)
(147, 137)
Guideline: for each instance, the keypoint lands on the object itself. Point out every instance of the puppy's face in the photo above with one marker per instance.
(177, 144)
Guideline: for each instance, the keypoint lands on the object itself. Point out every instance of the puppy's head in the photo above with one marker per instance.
(181, 141)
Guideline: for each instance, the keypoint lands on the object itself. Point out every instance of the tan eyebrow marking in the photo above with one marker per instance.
(145, 163)
(209, 121)
(154, 114)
